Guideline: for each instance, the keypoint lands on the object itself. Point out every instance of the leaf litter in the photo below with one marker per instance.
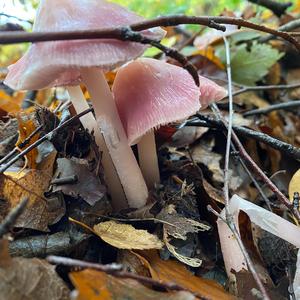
(68, 182)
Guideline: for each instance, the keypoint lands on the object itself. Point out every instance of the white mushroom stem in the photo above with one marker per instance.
(115, 138)
(89, 122)
(148, 159)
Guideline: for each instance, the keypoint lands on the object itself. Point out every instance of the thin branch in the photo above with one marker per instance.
(229, 131)
(258, 187)
(270, 108)
(12, 217)
(246, 88)
(228, 215)
(281, 146)
(16, 18)
(132, 36)
(117, 271)
(43, 139)
(286, 27)
(256, 169)
(117, 33)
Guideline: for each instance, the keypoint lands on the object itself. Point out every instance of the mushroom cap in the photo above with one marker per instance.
(150, 93)
(58, 63)
(210, 92)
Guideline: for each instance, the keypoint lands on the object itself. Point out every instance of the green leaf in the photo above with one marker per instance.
(249, 66)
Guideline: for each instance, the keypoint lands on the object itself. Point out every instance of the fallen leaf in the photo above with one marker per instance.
(209, 53)
(95, 285)
(124, 236)
(16, 185)
(11, 104)
(5, 258)
(27, 279)
(202, 153)
(173, 271)
(178, 226)
(294, 185)
(26, 128)
(88, 185)
(8, 135)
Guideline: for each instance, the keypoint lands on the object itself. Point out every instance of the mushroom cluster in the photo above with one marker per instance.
(146, 93)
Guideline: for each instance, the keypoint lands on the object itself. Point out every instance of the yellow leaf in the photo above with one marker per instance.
(124, 236)
(209, 53)
(26, 127)
(294, 186)
(11, 104)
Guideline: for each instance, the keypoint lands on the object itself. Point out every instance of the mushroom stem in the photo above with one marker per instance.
(115, 138)
(148, 159)
(88, 121)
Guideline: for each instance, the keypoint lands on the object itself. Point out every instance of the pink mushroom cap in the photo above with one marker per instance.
(210, 92)
(58, 63)
(150, 93)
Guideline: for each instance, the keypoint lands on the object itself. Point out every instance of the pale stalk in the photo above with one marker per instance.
(115, 138)
(89, 122)
(148, 159)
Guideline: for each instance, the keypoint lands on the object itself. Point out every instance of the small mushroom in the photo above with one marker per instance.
(66, 63)
(150, 93)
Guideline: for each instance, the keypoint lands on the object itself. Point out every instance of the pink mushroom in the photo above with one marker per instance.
(150, 93)
(64, 63)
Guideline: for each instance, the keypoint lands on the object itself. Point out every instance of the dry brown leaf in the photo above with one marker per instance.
(190, 261)
(27, 279)
(8, 136)
(88, 185)
(202, 153)
(179, 226)
(124, 236)
(5, 258)
(95, 285)
(15, 186)
(173, 271)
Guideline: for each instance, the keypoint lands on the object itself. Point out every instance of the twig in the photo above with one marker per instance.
(270, 108)
(44, 138)
(229, 218)
(286, 27)
(248, 260)
(229, 131)
(21, 145)
(17, 18)
(117, 271)
(129, 35)
(245, 88)
(258, 187)
(189, 40)
(117, 33)
(12, 217)
(281, 146)
(276, 7)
